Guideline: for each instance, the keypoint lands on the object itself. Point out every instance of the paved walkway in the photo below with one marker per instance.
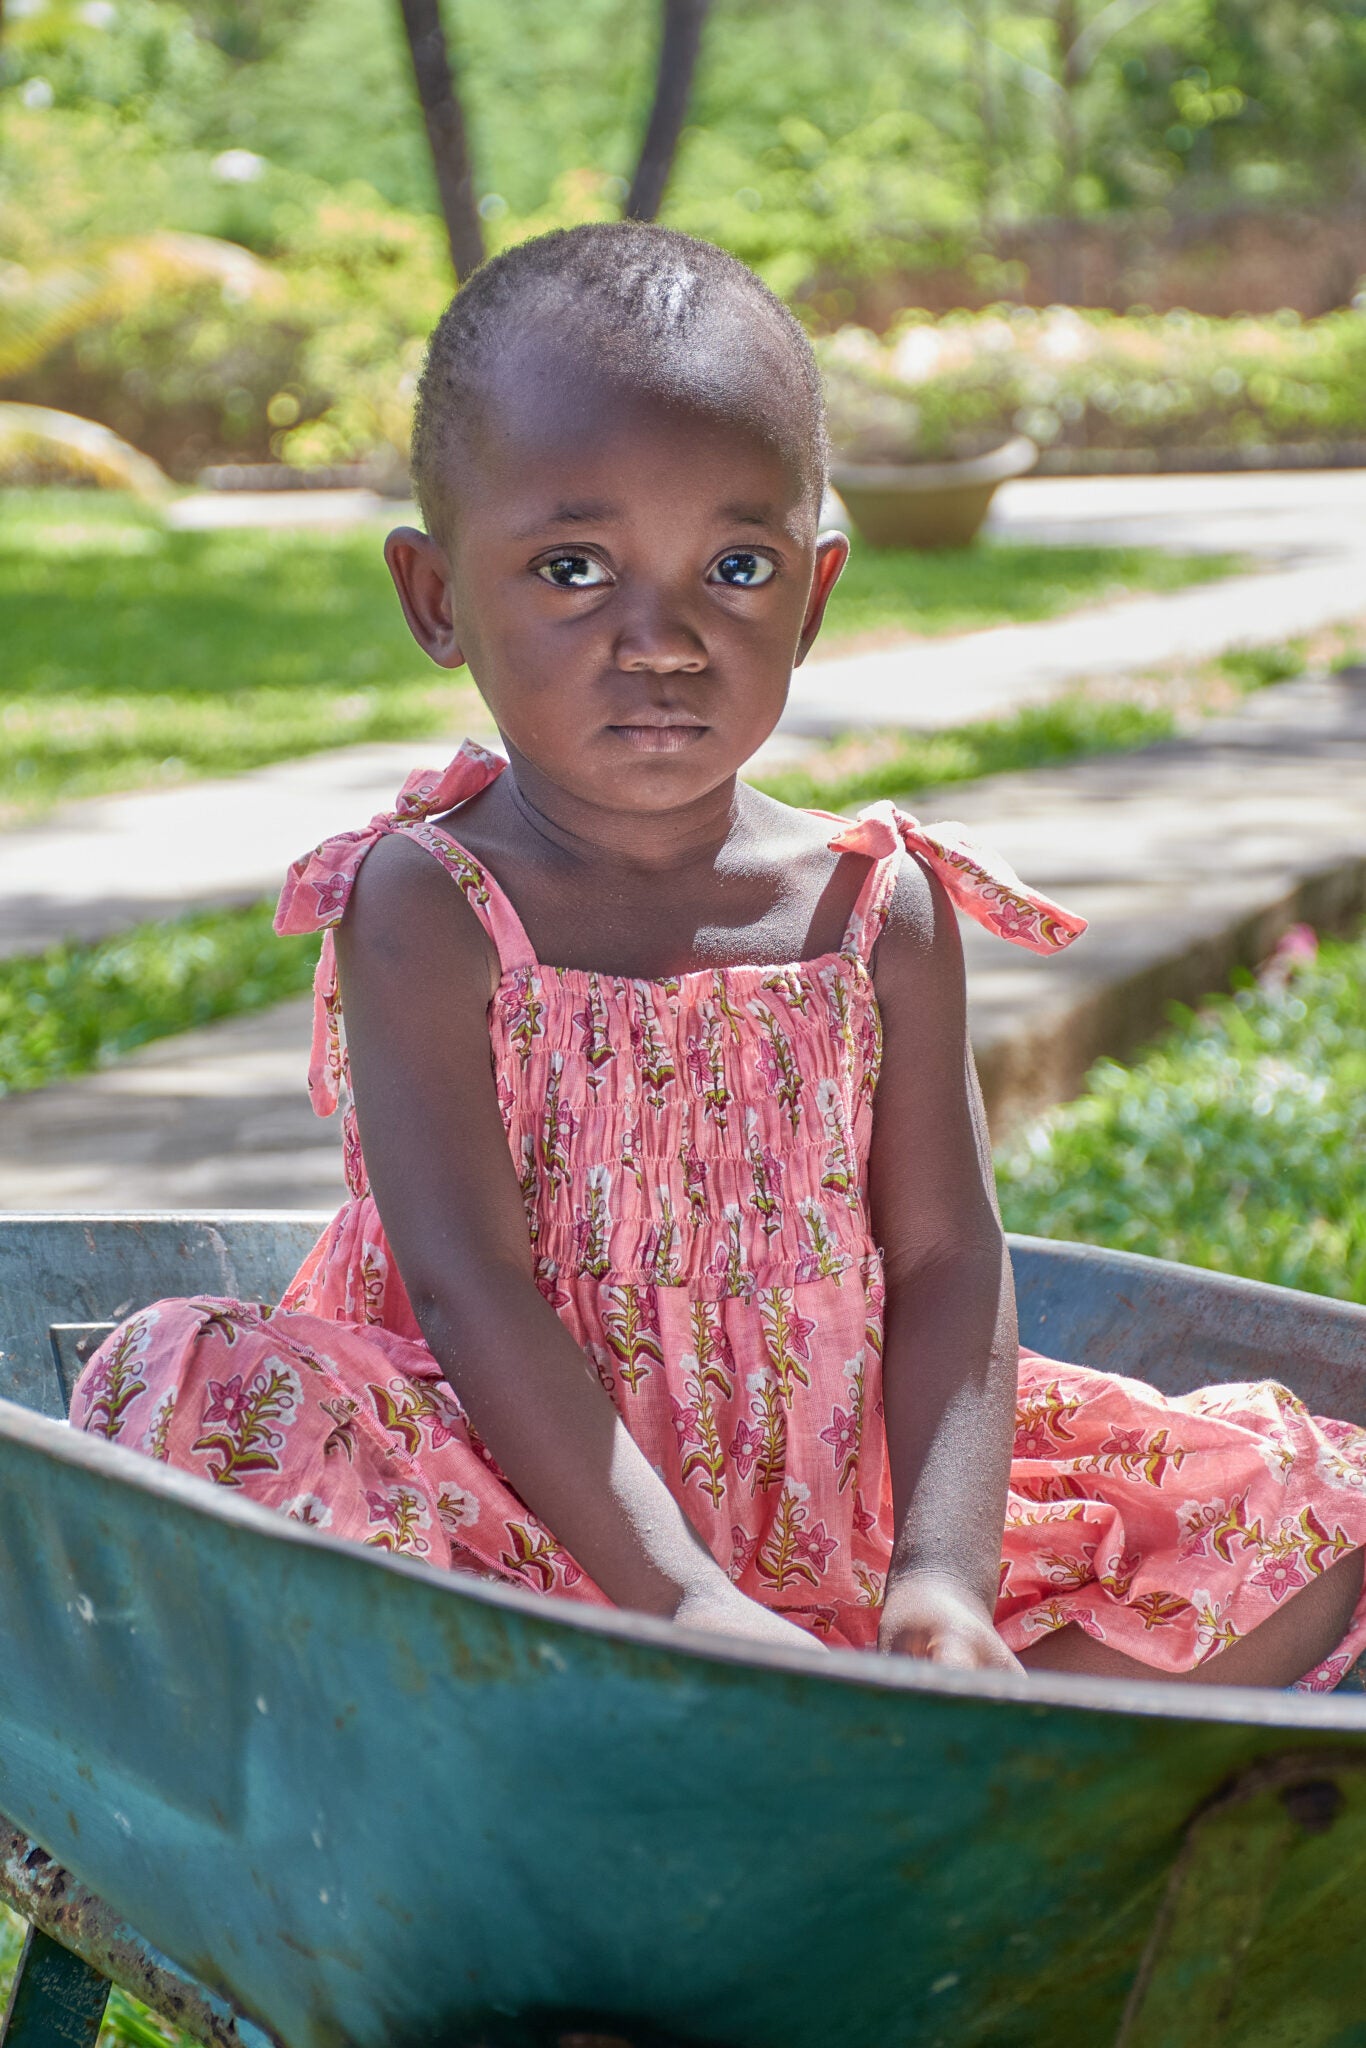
(1306, 531)
(97, 866)
(1189, 858)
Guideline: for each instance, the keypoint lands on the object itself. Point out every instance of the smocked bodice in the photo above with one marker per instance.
(707, 1131)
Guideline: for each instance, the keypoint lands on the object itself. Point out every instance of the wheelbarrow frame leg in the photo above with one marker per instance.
(79, 1947)
(57, 2000)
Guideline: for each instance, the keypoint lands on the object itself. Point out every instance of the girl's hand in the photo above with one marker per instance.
(935, 1616)
(729, 1613)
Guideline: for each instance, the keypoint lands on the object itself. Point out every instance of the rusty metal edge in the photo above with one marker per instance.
(51, 1899)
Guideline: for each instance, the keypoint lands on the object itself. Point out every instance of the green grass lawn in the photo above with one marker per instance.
(136, 655)
(866, 767)
(1237, 1142)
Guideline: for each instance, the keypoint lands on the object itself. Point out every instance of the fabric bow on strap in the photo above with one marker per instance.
(982, 885)
(318, 885)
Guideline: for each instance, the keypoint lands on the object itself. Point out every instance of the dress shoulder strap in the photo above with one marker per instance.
(979, 881)
(481, 890)
(319, 884)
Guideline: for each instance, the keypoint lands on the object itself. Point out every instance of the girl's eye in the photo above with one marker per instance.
(573, 572)
(742, 570)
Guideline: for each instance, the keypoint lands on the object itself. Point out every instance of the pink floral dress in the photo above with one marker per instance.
(692, 1154)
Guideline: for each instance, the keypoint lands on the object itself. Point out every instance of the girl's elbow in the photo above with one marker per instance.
(970, 1253)
(455, 1294)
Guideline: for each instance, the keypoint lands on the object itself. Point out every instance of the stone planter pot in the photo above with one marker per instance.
(928, 504)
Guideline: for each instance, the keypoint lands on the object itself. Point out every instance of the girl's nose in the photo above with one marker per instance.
(658, 641)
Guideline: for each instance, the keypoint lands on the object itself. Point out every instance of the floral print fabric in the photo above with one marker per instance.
(692, 1155)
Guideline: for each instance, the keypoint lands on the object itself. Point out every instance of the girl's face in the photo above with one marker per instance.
(631, 579)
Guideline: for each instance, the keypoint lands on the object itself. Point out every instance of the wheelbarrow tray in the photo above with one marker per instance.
(362, 1801)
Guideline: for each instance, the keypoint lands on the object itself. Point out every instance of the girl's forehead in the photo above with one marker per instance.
(579, 412)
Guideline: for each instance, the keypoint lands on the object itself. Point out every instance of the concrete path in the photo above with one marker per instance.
(1307, 532)
(97, 866)
(1189, 858)
(217, 1118)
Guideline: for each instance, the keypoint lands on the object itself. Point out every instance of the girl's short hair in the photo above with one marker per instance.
(646, 295)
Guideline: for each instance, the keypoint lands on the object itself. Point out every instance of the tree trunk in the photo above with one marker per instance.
(978, 22)
(441, 110)
(1067, 32)
(680, 42)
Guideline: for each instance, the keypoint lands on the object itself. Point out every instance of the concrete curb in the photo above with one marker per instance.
(1028, 1070)
(1191, 858)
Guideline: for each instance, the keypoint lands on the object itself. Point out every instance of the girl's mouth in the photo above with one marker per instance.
(659, 739)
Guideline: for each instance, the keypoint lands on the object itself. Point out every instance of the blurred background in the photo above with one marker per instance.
(1202, 158)
(1088, 283)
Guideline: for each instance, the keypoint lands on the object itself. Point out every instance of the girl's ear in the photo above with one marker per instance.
(832, 552)
(422, 578)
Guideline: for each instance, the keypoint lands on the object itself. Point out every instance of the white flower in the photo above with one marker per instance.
(457, 1508)
(238, 166)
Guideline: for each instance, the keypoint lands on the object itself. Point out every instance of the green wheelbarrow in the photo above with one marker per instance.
(291, 1791)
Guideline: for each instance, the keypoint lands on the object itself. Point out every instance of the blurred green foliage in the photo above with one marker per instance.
(839, 141)
(826, 149)
(1237, 1143)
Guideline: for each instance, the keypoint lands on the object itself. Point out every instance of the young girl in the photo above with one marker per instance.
(671, 1274)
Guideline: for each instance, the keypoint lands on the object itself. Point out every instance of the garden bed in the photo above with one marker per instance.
(1295, 455)
(1150, 390)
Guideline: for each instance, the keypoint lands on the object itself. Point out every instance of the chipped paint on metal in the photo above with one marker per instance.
(51, 1900)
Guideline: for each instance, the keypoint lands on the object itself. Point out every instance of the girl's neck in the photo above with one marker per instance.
(588, 835)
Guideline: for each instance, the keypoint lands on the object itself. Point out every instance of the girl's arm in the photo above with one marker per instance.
(416, 976)
(951, 1359)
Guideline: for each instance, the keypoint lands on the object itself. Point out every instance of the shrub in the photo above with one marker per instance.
(1236, 1143)
(1103, 380)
